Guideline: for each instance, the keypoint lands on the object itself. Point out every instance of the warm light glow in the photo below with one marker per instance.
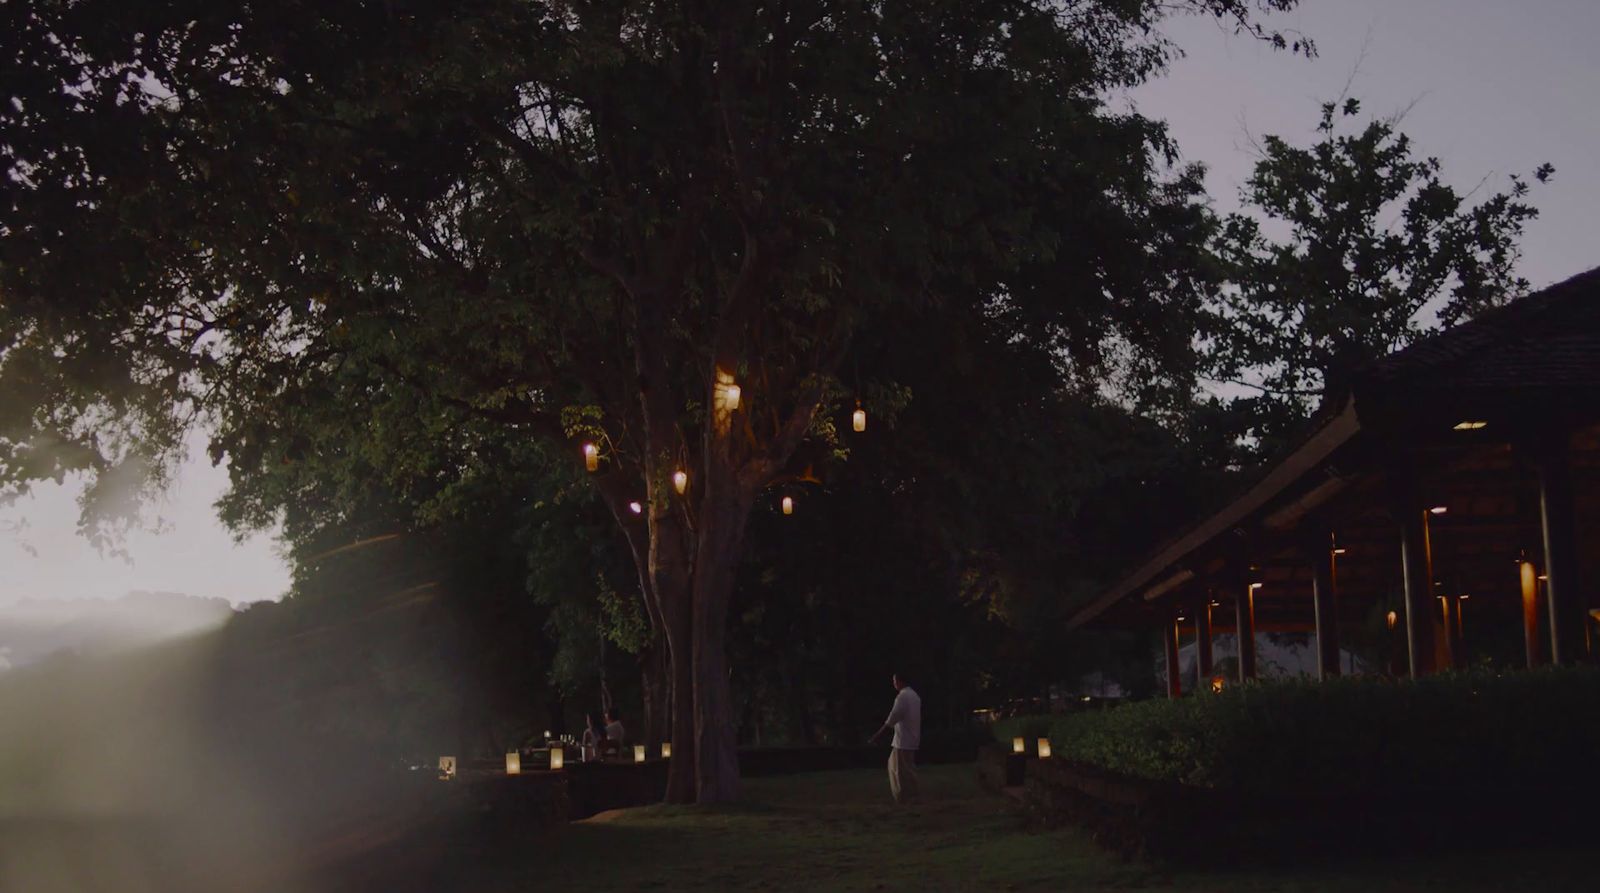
(731, 396)
(638, 753)
(1470, 425)
(858, 419)
(724, 400)
(1018, 745)
(1466, 596)
(591, 456)
(680, 481)
(666, 749)
(636, 508)
(1393, 618)
(1254, 586)
(1339, 551)
(788, 505)
(1217, 682)
(447, 768)
(1544, 576)
(513, 763)
(557, 757)
(1439, 509)
(1044, 748)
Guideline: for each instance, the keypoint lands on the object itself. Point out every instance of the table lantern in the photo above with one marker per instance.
(513, 763)
(557, 757)
(638, 753)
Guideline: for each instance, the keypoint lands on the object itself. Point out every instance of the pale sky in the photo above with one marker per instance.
(1495, 87)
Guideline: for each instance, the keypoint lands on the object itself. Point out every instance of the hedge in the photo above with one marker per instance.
(1526, 729)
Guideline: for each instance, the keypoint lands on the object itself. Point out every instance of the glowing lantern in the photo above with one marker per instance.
(591, 456)
(557, 757)
(513, 763)
(666, 749)
(638, 753)
(1018, 745)
(788, 505)
(1439, 510)
(636, 508)
(680, 481)
(730, 397)
(1393, 618)
(1044, 748)
(858, 419)
(1217, 683)
(447, 768)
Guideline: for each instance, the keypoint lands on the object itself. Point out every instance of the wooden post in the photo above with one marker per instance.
(1530, 610)
(1174, 677)
(1244, 606)
(1416, 560)
(1563, 589)
(1325, 605)
(1202, 642)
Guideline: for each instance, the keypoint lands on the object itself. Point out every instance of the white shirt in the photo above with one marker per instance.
(906, 717)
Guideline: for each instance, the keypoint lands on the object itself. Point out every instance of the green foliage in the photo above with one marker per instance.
(1536, 728)
(1354, 247)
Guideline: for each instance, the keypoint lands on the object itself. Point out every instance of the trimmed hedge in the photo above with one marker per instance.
(1520, 730)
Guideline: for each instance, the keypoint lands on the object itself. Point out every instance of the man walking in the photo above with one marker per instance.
(905, 718)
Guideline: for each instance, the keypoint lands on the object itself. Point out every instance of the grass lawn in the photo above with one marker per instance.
(836, 831)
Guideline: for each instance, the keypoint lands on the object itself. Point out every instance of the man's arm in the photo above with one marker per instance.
(896, 713)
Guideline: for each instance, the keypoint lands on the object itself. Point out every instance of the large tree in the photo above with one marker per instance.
(1350, 248)
(650, 227)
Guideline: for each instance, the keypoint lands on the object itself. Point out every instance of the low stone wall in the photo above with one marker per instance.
(1168, 822)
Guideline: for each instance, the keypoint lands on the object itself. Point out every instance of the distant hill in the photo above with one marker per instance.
(34, 629)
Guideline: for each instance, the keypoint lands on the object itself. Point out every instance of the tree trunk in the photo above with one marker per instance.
(722, 522)
(655, 682)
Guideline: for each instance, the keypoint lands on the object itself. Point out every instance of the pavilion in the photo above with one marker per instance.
(1450, 493)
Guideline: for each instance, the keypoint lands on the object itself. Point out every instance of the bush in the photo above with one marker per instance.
(1538, 729)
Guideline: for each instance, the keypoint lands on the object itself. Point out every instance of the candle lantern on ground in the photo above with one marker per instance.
(557, 757)
(666, 749)
(1018, 745)
(1044, 748)
(513, 763)
(638, 753)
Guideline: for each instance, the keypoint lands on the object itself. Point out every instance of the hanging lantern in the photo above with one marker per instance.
(680, 481)
(731, 397)
(513, 763)
(1392, 619)
(447, 768)
(557, 757)
(788, 505)
(666, 750)
(1044, 748)
(638, 753)
(591, 456)
(636, 507)
(1018, 745)
(858, 419)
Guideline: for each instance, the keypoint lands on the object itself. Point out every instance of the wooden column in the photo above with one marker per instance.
(1202, 642)
(1563, 590)
(1174, 676)
(1325, 605)
(1530, 610)
(1416, 560)
(1244, 606)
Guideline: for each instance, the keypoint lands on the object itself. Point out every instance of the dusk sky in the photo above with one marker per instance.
(1494, 88)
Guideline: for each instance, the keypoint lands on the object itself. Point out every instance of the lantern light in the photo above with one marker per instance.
(1470, 425)
(1439, 510)
(1254, 586)
(1018, 745)
(513, 763)
(858, 419)
(557, 757)
(788, 505)
(591, 456)
(447, 768)
(731, 396)
(1340, 551)
(1393, 618)
(666, 750)
(638, 753)
(635, 507)
(1044, 748)
(680, 481)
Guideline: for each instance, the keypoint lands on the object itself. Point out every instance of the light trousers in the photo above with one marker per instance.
(903, 775)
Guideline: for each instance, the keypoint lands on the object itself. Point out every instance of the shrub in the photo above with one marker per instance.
(1489, 730)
